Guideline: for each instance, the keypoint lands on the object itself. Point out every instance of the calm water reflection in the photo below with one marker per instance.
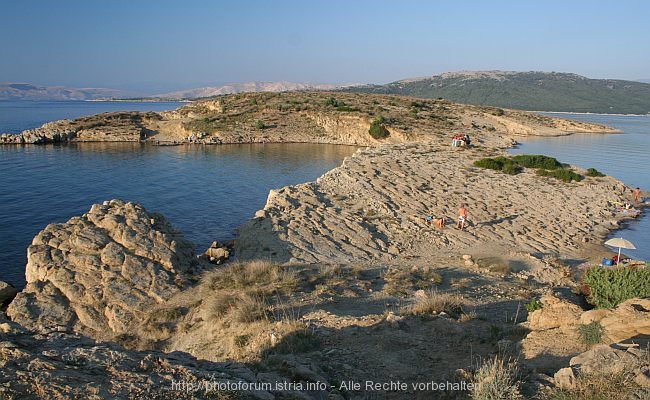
(205, 191)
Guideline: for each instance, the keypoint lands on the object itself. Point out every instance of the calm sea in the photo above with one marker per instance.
(16, 116)
(204, 191)
(623, 156)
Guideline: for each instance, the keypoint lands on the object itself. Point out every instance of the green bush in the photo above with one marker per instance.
(489, 163)
(590, 334)
(260, 125)
(378, 131)
(593, 172)
(565, 175)
(537, 161)
(500, 163)
(511, 168)
(533, 305)
(608, 287)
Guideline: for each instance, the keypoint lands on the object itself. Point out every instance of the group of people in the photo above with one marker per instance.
(440, 222)
(460, 140)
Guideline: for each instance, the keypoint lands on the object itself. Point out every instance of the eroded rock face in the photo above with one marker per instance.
(99, 273)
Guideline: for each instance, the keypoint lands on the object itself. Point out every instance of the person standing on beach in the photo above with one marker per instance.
(462, 217)
(637, 195)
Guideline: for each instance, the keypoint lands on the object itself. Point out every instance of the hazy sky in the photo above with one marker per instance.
(166, 45)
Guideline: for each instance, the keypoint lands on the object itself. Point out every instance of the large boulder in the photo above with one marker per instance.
(100, 273)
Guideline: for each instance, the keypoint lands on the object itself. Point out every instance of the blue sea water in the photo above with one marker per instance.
(204, 191)
(623, 156)
(16, 116)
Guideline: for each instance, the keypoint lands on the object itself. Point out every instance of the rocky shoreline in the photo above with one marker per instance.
(319, 117)
(330, 276)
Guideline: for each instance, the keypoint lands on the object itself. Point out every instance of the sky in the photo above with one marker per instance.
(159, 46)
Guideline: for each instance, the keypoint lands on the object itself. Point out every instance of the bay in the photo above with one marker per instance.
(623, 156)
(204, 191)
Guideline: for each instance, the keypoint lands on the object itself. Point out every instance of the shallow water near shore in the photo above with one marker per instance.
(623, 156)
(204, 191)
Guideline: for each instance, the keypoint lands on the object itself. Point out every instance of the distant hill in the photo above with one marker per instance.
(26, 91)
(538, 91)
(247, 87)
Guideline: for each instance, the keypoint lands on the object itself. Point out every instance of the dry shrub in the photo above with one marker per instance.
(434, 302)
(399, 282)
(496, 379)
(218, 304)
(263, 276)
(249, 309)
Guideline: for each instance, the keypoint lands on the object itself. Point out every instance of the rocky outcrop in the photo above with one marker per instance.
(629, 320)
(605, 361)
(107, 127)
(66, 366)
(99, 273)
(7, 292)
(555, 313)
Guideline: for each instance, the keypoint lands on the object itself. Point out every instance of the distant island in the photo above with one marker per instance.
(533, 91)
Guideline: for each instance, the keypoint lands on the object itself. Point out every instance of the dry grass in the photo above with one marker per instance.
(249, 309)
(261, 276)
(497, 380)
(399, 282)
(434, 302)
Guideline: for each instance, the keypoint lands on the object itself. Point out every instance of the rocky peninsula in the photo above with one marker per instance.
(336, 282)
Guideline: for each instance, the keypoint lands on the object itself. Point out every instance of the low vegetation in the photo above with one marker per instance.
(496, 379)
(608, 287)
(378, 130)
(590, 334)
(536, 161)
(533, 305)
(434, 302)
(565, 175)
(546, 166)
(593, 172)
(400, 282)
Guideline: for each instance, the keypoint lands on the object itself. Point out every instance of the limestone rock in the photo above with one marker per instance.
(7, 292)
(65, 366)
(217, 254)
(555, 313)
(630, 319)
(99, 273)
(564, 378)
(603, 359)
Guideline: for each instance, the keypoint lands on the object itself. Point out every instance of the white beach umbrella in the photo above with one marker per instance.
(621, 244)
